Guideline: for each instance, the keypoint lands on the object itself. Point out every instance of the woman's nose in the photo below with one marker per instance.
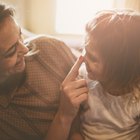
(85, 58)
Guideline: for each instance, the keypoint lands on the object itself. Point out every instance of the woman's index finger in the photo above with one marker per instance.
(73, 73)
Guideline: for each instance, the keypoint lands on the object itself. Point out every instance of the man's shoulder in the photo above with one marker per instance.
(45, 40)
(51, 51)
(45, 43)
(52, 54)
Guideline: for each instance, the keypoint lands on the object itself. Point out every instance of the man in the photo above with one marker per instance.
(29, 80)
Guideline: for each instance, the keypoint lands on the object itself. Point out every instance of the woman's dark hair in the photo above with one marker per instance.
(116, 36)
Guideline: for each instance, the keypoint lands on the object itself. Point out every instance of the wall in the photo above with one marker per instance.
(19, 5)
(133, 4)
(41, 16)
(36, 15)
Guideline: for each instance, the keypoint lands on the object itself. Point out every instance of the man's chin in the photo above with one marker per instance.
(11, 74)
(15, 71)
(20, 68)
(12, 81)
(19, 71)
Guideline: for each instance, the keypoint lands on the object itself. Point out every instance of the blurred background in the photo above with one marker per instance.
(63, 18)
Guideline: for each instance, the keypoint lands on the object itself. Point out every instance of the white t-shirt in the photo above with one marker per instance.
(108, 117)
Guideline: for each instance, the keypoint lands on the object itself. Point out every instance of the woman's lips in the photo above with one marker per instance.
(88, 70)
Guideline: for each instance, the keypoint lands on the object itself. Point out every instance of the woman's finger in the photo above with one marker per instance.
(80, 99)
(76, 93)
(74, 70)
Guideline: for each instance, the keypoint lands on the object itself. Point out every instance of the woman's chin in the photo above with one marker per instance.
(92, 76)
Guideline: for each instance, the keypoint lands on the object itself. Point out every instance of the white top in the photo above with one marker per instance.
(108, 117)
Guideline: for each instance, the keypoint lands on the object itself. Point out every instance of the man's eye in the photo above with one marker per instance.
(21, 36)
(12, 51)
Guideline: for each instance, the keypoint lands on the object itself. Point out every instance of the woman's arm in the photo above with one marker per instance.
(77, 136)
(60, 128)
(73, 93)
(75, 133)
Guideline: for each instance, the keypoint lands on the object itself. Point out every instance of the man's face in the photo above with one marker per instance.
(12, 50)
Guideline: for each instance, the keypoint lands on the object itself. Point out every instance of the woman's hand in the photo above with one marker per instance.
(73, 92)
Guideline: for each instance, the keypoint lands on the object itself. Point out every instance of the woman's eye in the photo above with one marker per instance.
(94, 59)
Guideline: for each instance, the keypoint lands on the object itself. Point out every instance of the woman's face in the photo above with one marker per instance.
(12, 50)
(94, 63)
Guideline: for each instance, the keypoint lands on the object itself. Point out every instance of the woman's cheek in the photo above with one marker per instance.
(94, 67)
(96, 72)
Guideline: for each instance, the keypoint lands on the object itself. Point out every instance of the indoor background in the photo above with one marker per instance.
(63, 18)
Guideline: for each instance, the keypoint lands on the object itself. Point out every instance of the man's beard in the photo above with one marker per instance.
(11, 82)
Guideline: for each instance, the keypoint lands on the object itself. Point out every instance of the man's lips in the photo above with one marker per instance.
(20, 61)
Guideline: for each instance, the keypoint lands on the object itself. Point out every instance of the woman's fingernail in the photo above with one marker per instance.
(81, 58)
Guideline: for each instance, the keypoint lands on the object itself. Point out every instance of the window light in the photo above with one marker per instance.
(72, 15)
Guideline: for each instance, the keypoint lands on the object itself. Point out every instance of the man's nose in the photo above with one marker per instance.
(22, 49)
